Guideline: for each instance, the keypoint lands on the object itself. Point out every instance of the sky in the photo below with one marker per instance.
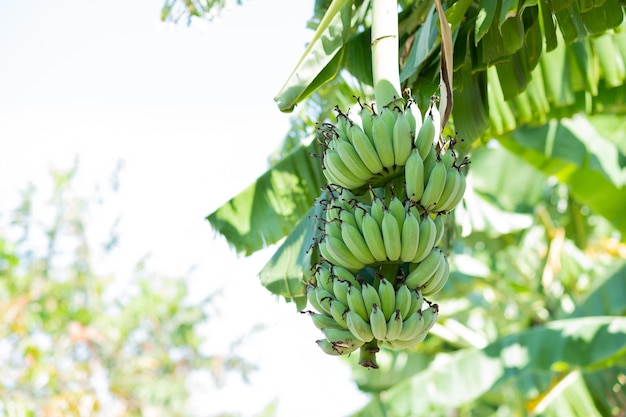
(188, 113)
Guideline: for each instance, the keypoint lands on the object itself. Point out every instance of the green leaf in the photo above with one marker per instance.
(286, 273)
(574, 153)
(484, 19)
(283, 194)
(331, 35)
(583, 343)
(607, 297)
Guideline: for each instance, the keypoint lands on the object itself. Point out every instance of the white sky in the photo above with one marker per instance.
(190, 112)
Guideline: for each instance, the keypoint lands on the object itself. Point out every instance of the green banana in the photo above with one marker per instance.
(424, 270)
(377, 209)
(329, 348)
(391, 236)
(370, 297)
(366, 115)
(332, 228)
(387, 296)
(311, 296)
(383, 141)
(344, 274)
(402, 139)
(340, 290)
(456, 196)
(410, 326)
(409, 236)
(414, 176)
(425, 136)
(340, 254)
(324, 299)
(394, 326)
(374, 238)
(439, 228)
(323, 321)
(356, 243)
(337, 173)
(434, 186)
(427, 236)
(378, 323)
(359, 327)
(403, 300)
(323, 277)
(417, 301)
(427, 320)
(396, 207)
(414, 115)
(356, 304)
(365, 149)
(338, 311)
(439, 279)
(342, 338)
(353, 161)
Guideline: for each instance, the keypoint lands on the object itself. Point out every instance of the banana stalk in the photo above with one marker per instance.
(385, 51)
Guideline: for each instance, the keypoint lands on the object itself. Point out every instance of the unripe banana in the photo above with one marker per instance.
(324, 299)
(396, 207)
(359, 327)
(340, 254)
(364, 147)
(391, 236)
(340, 290)
(353, 161)
(439, 279)
(425, 136)
(377, 209)
(342, 338)
(447, 158)
(427, 236)
(366, 114)
(374, 238)
(356, 243)
(389, 114)
(450, 189)
(323, 277)
(337, 173)
(356, 304)
(434, 187)
(428, 318)
(359, 212)
(329, 349)
(387, 296)
(424, 270)
(417, 300)
(370, 297)
(414, 176)
(409, 236)
(322, 321)
(405, 344)
(410, 326)
(394, 326)
(311, 296)
(414, 115)
(402, 139)
(456, 197)
(344, 274)
(333, 228)
(378, 323)
(338, 312)
(439, 228)
(403, 300)
(383, 141)
(346, 215)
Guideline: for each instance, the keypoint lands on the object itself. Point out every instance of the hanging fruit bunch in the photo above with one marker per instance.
(392, 180)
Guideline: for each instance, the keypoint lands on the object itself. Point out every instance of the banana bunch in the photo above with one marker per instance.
(378, 248)
(356, 314)
(370, 147)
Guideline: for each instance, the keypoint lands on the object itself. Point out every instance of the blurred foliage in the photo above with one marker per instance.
(75, 343)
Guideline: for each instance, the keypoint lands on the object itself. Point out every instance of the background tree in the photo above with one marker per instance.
(76, 343)
(532, 319)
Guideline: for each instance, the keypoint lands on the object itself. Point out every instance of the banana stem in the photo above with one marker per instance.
(385, 57)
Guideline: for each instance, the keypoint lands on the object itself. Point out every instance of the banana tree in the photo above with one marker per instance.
(532, 318)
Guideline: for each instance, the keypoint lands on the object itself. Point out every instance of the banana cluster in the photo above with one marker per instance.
(357, 313)
(379, 242)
